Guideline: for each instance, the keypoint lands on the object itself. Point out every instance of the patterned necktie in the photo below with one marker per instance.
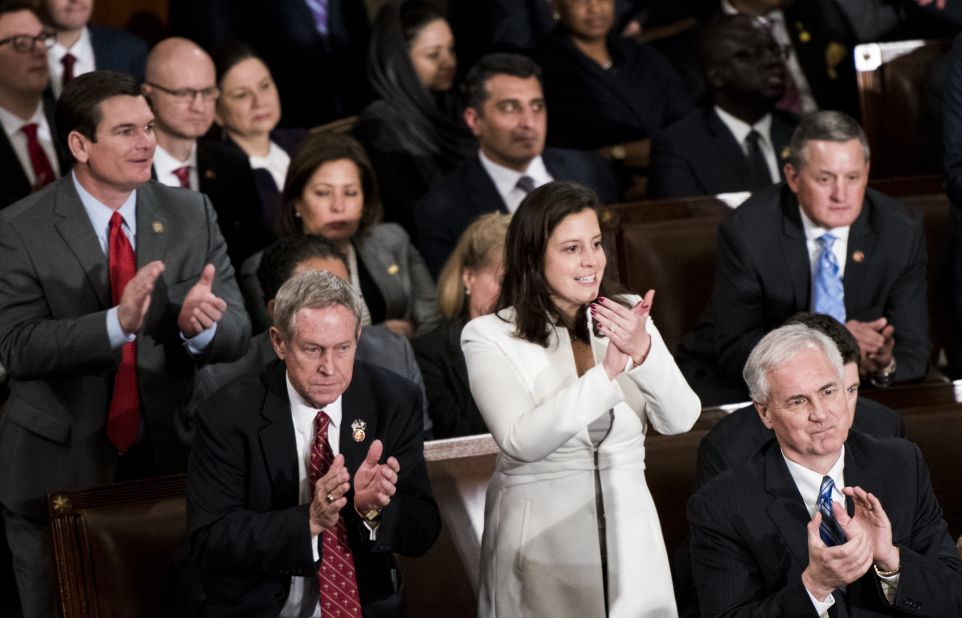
(828, 293)
(42, 170)
(123, 421)
(758, 175)
(318, 10)
(526, 184)
(336, 577)
(830, 531)
(183, 176)
(68, 61)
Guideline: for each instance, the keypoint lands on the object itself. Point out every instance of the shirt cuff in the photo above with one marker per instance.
(821, 607)
(317, 554)
(198, 344)
(890, 586)
(115, 332)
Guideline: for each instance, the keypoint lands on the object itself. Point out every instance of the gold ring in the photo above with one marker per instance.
(330, 499)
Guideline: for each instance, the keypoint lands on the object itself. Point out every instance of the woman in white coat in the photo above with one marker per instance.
(568, 380)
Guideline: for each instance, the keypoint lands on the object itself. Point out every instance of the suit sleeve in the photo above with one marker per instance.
(728, 579)
(222, 533)
(33, 343)
(451, 416)
(907, 310)
(670, 174)
(710, 462)
(736, 301)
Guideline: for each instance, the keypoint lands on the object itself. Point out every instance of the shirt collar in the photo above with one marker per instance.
(12, 123)
(814, 231)
(303, 412)
(165, 163)
(100, 214)
(506, 179)
(82, 48)
(740, 129)
(809, 482)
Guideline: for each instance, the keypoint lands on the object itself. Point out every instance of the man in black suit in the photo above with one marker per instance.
(30, 156)
(823, 521)
(262, 513)
(741, 434)
(181, 82)
(82, 47)
(741, 142)
(772, 259)
(506, 111)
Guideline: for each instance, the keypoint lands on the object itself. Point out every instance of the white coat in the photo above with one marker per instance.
(540, 551)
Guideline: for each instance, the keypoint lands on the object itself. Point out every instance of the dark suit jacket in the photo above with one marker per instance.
(698, 155)
(118, 50)
(14, 184)
(54, 296)
(749, 538)
(452, 204)
(247, 533)
(762, 277)
(741, 434)
(450, 403)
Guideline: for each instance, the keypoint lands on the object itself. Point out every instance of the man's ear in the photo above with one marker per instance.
(473, 119)
(78, 145)
(791, 177)
(763, 413)
(277, 340)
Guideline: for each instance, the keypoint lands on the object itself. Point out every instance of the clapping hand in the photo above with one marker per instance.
(329, 491)
(375, 483)
(626, 331)
(201, 309)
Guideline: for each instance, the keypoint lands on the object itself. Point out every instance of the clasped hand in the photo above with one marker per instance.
(626, 332)
(374, 485)
(869, 535)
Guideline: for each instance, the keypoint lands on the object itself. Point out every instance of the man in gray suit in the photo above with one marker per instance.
(99, 374)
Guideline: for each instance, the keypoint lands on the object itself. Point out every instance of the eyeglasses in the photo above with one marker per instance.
(188, 95)
(24, 43)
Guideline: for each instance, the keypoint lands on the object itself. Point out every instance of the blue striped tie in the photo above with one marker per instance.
(830, 530)
(828, 294)
(319, 13)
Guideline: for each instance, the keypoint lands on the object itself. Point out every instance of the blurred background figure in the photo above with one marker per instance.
(248, 111)
(414, 133)
(468, 287)
(331, 191)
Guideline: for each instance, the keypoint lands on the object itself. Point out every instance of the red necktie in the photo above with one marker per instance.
(42, 170)
(336, 577)
(123, 421)
(183, 176)
(68, 60)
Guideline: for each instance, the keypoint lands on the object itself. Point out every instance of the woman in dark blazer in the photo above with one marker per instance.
(331, 190)
(414, 134)
(468, 287)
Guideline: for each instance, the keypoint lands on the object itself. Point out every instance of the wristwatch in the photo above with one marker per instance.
(371, 516)
(885, 377)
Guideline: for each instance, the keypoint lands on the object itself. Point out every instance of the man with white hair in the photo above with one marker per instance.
(823, 521)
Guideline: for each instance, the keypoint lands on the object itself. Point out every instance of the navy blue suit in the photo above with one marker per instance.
(451, 205)
(698, 155)
(118, 50)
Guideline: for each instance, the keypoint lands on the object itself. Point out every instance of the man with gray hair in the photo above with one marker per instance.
(824, 520)
(819, 242)
(307, 478)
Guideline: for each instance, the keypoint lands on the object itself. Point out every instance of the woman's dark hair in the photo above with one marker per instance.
(282, 256)
(427, 124)
(525, 287)
(230, 55)
(318, 149)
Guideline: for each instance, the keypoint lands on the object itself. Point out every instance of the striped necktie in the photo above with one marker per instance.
(830, 531)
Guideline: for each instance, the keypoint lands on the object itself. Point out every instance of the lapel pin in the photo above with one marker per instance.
(786, 152)
(210, 174)
(392, 269)
(357, 430)
(158, 227)
(858, 257)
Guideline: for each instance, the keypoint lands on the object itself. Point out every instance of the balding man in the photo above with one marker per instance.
(182, 83)
(824, 521)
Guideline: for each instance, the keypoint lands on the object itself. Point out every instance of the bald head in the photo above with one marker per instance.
(182, 83)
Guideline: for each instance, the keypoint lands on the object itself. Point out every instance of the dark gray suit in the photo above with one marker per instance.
(749, 539)
(54, 296)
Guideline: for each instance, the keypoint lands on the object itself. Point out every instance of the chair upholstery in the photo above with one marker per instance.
(114, 545)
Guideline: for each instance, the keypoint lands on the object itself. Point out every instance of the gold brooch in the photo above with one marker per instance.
(158, 227)
(357, 430)
(858, 257)
(392, 269)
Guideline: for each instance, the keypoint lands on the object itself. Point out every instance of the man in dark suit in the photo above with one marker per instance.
(182, 84)
(99, 370)
(740, 143)
(30, 155)
(264, 515)
(823, 521)
(82, 47)
(775, 257)
(506, 112)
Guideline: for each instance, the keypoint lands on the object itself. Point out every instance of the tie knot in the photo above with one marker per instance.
(825, 491)
(827, 240)
(753, 137)
(526, 184)
(183, 176)
(321, 422)
(30, 130)
(68, 60)
(116, 221)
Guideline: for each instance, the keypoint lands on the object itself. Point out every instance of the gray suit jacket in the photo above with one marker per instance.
(54, 296)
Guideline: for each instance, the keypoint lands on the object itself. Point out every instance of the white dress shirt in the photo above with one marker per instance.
(740, 129)
(506, 179)
(813, 232)
(165, 164)
(82, 50)
(13, 127)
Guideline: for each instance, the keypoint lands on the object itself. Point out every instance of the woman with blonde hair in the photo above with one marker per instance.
(468, 287)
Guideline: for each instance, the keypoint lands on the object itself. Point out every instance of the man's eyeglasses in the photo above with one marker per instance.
(188, 95)
(24, 43)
